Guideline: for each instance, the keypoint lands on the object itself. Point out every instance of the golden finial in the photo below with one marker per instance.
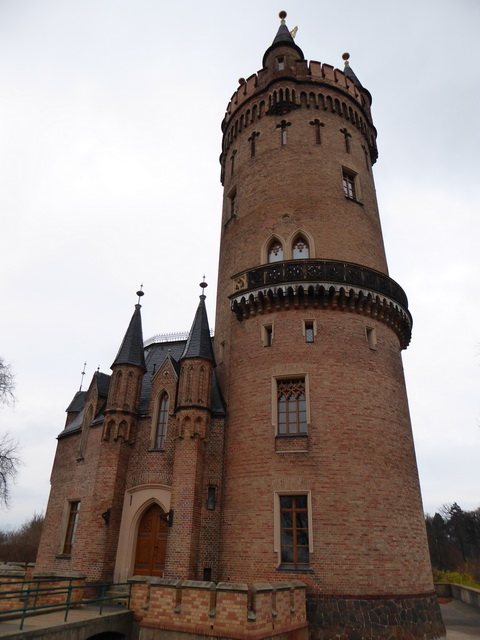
(282, 15)
(345, 57)
(140, 293)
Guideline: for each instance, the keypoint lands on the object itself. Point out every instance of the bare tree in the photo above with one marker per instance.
(7, 383)
(9, 448)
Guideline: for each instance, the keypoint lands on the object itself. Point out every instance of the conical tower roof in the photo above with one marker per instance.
(282, 39)
(131, 349)
(199, 343)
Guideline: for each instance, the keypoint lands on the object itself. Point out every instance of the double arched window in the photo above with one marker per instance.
(298, 251)
(161, 431)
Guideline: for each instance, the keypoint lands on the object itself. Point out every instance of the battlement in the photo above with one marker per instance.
(226, 610)
(313, 72)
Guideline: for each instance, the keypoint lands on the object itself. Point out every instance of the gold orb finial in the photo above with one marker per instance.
(346, 56)
(282, 15)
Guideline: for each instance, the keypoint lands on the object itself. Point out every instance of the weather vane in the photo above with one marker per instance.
(83, 373)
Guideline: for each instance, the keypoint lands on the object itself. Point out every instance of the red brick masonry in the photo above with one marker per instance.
(232, 610)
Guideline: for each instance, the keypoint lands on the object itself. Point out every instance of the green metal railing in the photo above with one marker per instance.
(31, 591)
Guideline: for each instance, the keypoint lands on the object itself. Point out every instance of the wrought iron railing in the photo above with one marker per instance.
(319, 271)
(32, 592)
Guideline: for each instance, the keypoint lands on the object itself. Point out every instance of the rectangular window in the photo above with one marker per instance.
(349, 186)
(294, 532)
(211, 498)
(71, 527)
(281, 63)
(309, 330)
(291, 407)
(267, 335)
(371, 337)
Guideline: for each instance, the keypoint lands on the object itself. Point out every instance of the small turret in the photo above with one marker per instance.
(128, 369)
(195, 383)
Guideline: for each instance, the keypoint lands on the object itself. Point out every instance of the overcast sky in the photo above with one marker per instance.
(110, 115)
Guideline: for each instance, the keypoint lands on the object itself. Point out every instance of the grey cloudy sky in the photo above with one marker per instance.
(110, 116)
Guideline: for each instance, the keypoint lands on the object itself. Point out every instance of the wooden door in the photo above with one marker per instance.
(151, 543)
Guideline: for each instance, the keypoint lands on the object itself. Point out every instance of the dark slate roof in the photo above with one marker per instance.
(103, 384)
(349, 73)
(155, 355)
(131, 350)
(199, 343)
(74, 425)
(282, 39)
(77, 403)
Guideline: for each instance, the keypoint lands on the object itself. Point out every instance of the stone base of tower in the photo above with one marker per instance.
(372, 617)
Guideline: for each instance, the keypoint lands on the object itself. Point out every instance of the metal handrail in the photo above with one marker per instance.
(34, 590)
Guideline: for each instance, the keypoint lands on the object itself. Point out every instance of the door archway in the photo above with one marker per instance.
(151, 545)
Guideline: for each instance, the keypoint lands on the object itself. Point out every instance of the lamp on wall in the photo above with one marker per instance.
(106, 516)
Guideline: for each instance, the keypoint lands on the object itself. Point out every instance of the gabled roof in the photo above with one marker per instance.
(77, 403)
(103, 384)
(131, 349)
(199, 343)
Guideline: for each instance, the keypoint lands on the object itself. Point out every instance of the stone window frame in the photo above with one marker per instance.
(277, 539)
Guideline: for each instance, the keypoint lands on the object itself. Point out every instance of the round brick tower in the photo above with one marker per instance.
(320, 477)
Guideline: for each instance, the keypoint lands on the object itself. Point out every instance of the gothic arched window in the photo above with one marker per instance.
(275, 252)
(161, 431)
(292, 407)
(300, 249)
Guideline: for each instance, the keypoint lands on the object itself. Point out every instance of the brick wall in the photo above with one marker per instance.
(222, 610)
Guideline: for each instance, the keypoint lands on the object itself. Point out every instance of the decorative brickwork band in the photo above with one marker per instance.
(316, 283)
(382, 618)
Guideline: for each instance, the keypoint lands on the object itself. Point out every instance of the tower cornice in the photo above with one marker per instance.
(327, 284)
(314, 72)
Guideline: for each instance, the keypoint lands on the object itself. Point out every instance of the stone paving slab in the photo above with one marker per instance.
(461, 620)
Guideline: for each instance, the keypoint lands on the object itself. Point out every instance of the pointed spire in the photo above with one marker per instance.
(131, 350)
(199, 343)
(349, 72)
(283, 39)
(283, 34)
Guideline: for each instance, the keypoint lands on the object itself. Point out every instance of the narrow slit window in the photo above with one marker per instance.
(309, 331)
(267, 335)
(211, 498)
(232, 203)
(371, 336)
(281, 63)
(74, 510)
(161, 433)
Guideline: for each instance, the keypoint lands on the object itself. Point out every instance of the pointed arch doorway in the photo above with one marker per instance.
(151, 545)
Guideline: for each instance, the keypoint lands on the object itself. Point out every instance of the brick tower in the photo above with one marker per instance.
(320, 480)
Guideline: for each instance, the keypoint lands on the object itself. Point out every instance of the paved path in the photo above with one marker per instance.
(11, 628)
(461, 620)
